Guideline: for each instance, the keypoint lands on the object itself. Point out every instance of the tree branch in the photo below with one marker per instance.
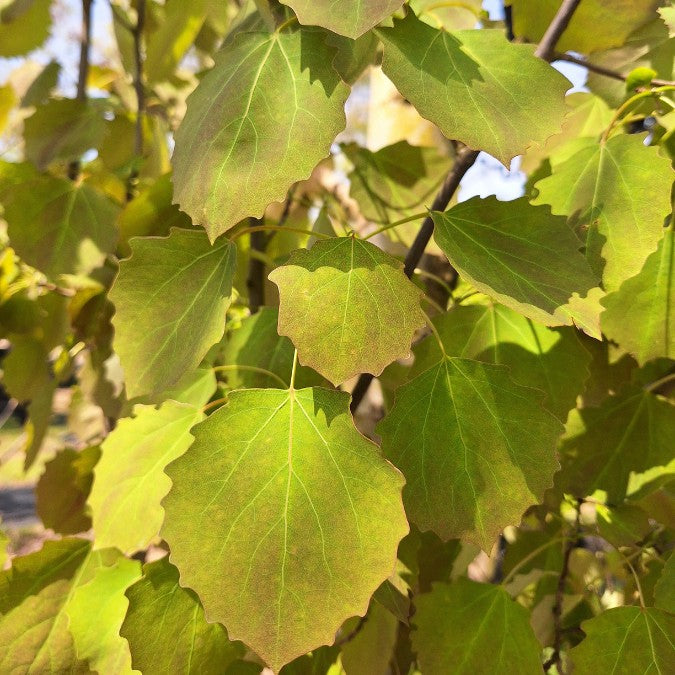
(139, 87)
(255, 281)
(601, 70)
(83, 73)
(560, 595)
(545, 49)
(463, 163)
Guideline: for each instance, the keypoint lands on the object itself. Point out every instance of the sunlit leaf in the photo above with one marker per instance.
(347, 307)
(129, 479)
(620, 191)
(476, 86)
(260, 120)
(645, 300)
(522, 256)
(300, 516)
(170, 297)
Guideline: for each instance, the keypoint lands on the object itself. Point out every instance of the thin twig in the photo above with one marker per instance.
(139, 88)
(601, 70)
(545, 48)
(560, 594)
(83, 73)
(463, 163)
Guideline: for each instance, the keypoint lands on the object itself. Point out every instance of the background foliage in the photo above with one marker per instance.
(220, 227)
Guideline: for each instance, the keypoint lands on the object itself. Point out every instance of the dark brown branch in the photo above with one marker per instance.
(560, 595)
(463, 163)
(255, 281)
(83, 73)
(353, 633)
(139, 88)
(601, 70)
(545, 49)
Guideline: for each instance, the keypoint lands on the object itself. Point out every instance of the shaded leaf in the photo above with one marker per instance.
(622, 525)
(347, 307)
(371, 649)
(349, 17)
(166, 628)
(95, 615)
(354, 56)
(24, 26)
(396, 181)
(129, 479)
(295, 506)
(521, 255)
(57, 226)
(631, 432)
(625, 641)
(645, 300)
(620, 190)
(476, 86)
(664, 591)
(551, 360)
(467, 627)
(35, 634)
(595, 25)
(63, 489)
(475, 447)
(261, 83)
(62, 129)
(171, 297)
(256, 343)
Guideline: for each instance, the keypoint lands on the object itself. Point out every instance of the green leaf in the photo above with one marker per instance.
(639, 77)
(167, 44)
(129, 479)
(551, 360)
(664, 591)
(40, 88)
(354, 56)
(63, 489)
(96, 612)
(622, 525)
(476, 86)
(56, 561)
(7, 102)
(63, 129)
(347, 307)
(371, 649)
(631, 432)
(625, 641)
(34, 633)
(595, 25)
(166, 628)
(396, 181)
(469, 628)
(620, 191)
(24, 26)
(195, 388)
(55, 225)
(171, 297)
(260, 120)
(256, 343)
(522, 256)
(645, 301)
(349, 17)
(300, 516)
(475, 447)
